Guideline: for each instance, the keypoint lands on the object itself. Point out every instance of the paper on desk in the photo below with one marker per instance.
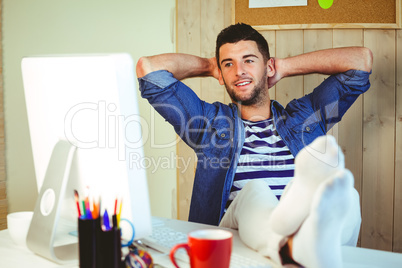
(276, 3)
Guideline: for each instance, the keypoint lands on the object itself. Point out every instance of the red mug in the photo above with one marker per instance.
(207, 248)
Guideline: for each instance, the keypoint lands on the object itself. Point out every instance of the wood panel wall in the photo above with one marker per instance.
(370, 134)
(198, 24)
(3, 195)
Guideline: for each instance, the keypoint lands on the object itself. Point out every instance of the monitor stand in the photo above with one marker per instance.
(41, 234)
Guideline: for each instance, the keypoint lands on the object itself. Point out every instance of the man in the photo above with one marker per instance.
(255, 139)
(224, 135)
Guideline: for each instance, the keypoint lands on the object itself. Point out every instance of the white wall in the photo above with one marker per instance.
(32, 27)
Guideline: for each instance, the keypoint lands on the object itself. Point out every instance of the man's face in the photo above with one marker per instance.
(244, 73)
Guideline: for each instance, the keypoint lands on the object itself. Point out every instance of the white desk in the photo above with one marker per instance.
(13, 256)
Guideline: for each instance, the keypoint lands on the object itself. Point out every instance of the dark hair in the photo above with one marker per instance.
(241, 32)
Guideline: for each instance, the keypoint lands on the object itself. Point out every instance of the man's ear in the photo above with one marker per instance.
(271, 67)
(221, 81)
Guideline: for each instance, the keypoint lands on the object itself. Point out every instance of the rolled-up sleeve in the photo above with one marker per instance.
(177, 103)
(155, 83)
(356, 79)
(336, 94)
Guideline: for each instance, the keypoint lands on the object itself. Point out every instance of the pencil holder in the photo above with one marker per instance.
(88, 236)
(109, 246)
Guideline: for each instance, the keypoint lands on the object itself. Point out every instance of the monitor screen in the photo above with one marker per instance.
(90, 103)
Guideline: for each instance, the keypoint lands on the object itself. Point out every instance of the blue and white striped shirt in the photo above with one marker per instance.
(264, 156)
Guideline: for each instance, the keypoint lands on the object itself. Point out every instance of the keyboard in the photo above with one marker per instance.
(164, 237)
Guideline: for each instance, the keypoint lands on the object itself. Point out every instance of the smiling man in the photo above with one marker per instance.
(244, 73)
(254, 138)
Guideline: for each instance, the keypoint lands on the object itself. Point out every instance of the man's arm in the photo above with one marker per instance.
(175, 101)
(328, 61)
(180, 65)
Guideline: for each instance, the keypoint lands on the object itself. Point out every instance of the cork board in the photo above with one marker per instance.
(342, 14)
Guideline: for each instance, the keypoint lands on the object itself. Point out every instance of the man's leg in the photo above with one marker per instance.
(313, 165)
(249, 213)
(351, 229)
(255, 209)
(318, 241)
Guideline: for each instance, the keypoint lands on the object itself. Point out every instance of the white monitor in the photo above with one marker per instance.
(85, 128)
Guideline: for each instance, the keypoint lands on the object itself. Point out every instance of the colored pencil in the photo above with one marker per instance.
(77, 202)
(106, 223)
(95, 211)
(84, 213)
(115, 206)
(118, 215)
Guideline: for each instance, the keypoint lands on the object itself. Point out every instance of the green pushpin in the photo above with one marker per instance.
(325, 4)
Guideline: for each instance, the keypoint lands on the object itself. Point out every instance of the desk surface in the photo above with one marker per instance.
(13, 256)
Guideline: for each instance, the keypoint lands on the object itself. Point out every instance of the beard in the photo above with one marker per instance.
(258, 95)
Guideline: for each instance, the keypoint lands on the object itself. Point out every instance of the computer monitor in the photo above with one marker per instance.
(85, 131)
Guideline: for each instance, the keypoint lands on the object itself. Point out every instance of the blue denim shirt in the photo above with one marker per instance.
(216, 132)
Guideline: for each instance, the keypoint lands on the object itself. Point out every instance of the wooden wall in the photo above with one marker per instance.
(3, 195)
(198, 24)
(370, 134)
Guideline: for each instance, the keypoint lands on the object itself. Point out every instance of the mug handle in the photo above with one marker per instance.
(174, 249)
